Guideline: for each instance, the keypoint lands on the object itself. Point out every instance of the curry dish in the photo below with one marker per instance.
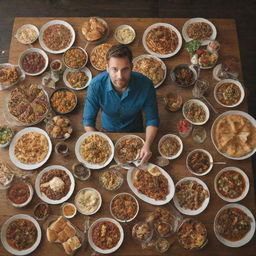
(228, 94)
(98, 56)
(170, 146)
(95, 149)
(199, 30)
(31, 148)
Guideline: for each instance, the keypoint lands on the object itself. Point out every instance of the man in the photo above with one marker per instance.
(122, 95)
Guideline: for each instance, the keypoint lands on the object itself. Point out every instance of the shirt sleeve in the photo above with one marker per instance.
(150, 108)
(91, 107)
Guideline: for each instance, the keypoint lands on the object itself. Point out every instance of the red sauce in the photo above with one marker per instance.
(18, 192)
(55, 65)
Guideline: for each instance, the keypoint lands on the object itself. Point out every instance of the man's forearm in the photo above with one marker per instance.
(90, 129)
(151, 132)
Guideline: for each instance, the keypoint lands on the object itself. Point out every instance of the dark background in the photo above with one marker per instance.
(243, 11)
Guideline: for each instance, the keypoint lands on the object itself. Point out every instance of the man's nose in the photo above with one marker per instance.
(119, 74)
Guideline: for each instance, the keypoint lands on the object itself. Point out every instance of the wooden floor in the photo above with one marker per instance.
(242, 10)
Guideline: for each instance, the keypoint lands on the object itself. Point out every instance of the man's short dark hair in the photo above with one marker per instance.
(119, 51)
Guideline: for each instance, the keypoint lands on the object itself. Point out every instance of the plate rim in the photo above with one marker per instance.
(188, 211)
(170, 27)
(198, 19)
(3, 232)
(146, 56)
(147, 199)
(46, 199)
(13, 158)
(246, 239)
(53, 22)
(79, 157)
(115, 248)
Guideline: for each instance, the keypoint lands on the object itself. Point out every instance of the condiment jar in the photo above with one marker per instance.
(62, 149)
(81, 172)
(41, 211)
(57, 66)
(68, 210)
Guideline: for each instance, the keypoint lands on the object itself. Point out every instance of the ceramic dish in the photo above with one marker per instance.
(37, 51)
(56, 22)
(145, 198)
(168, 26)
(195, 20)
(44, 197)
(231, 95)
(209, 162)
(4, 230)
(204, 203)
(242, 194)
(246, 238)
(95, 247)
(25, 29)
(74, 56)
(14, 159)
(91, 165)
(177, 139)
(85, 70)
(125, 34)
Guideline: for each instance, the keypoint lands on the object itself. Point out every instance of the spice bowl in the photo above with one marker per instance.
(81, 172)
(41, 211)
(6, 134)
(68, 210)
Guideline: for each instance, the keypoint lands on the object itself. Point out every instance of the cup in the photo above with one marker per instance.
(62, 149)
(199, 134)
(200, 88)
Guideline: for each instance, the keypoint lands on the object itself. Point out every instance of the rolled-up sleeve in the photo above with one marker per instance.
(91, 107)
(150, 108)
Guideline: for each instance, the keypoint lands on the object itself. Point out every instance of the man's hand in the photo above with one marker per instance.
(89, 129)
(145, 154)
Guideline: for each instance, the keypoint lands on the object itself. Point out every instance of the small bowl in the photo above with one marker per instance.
(72, 108)
(81, 172)
(164, 234)
(119, 195)
(99, 203)
(3, 145)
(162, 245)
(45, 209)
(27, 26)
(31, 192)
(127, 27)
(210, 160)
(30, 50)
(80, 49)
(173, 101)
(70, 205)
(198, 102)
(177, 138)
(238, 84)
(108, 174)
(85, 70)
(147, 228)
(246, 188)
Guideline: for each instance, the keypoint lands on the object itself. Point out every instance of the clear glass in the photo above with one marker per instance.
(199, 134)
(184, 128)
(200, 88)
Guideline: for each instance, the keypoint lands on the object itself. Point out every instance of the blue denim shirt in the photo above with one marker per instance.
(121, 113)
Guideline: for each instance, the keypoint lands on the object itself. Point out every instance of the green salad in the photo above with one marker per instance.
(5, 135)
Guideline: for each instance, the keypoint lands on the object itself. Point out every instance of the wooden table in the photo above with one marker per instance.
(227, 36)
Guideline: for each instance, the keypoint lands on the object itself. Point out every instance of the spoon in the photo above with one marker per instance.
(212, 107)
(218, 163)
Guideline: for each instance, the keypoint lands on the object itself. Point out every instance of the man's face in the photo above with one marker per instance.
(119, 71)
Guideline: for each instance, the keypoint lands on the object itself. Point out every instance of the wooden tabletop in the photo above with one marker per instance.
(227, 36)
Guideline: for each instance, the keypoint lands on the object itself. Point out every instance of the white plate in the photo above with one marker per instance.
(96, 248)
(194, 20)
(178, 153)
(147, 56)
(157, 54)
(246, 189)
(21, 75)
(85, 70)
(233, 112)
(237, 83)
(14, 141)
(118, 141)
(81, 159)
(118, 195)
(210, 159)
(246, 238)
(53, 22)
(100, 200)
(188, 211)
(3, 235)
(199, 102)
(45, 198)
(145, 198)
(29, 51)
